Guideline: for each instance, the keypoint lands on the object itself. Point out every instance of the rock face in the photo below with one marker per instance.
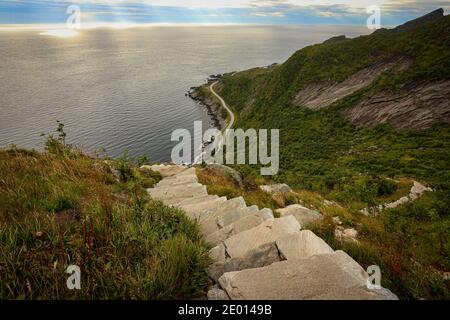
(275, 188)
(257, 256)
(319, 95)
(302, 214)
(416, 107)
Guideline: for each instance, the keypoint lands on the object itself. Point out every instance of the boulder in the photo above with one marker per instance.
(276, 188)
(301, 213)
(227, 171)
(269, 231)
(349, 234)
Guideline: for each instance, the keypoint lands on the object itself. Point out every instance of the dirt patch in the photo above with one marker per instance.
(68, 215)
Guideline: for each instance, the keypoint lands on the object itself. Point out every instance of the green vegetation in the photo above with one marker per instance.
(324, 156)
(63, 207)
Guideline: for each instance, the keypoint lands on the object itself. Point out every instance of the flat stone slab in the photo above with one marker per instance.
(302, 245)
(318, 277)
(242, 224)
(231, 204)
(269, 231)
(218, 221)
(195, 210)
(302, 214)
(199, 199)
(192, 190)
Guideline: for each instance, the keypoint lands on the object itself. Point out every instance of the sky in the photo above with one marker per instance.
(279, 12)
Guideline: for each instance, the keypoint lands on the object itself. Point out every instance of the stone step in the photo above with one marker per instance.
(243, 224)
(187, 191)
(302, 245)
(221, 218)
(166, 170)
(176, 188)
(175, 180)
(326, 276)
(175, 201)
(187, 172)
(196, 200)
(194, 210)
(268, 231)
(259, 257)
(232, 216)
(231, 204)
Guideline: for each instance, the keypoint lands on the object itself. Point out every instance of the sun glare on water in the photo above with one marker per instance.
(62, 33)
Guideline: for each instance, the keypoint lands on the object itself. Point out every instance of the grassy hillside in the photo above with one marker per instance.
(323, 155)
(63, 207)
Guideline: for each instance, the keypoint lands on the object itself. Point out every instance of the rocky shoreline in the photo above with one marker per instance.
(205, 101)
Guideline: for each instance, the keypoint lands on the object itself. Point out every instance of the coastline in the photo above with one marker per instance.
(205, 99)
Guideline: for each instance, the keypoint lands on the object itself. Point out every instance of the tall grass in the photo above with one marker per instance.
(64, 208)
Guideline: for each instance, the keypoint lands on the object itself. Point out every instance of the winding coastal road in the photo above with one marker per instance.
(231, 122)
(218, 143)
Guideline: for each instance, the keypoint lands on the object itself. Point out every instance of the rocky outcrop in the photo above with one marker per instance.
(257, 256)
(276, 188)
(319, 95)
(417, 106)
(226, 171)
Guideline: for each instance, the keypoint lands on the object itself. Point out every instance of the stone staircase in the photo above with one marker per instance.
(259, 257)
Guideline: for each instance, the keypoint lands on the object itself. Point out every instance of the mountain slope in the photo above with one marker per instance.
(359, 119)
(397, 79)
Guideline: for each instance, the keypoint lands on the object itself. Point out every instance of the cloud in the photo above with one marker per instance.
(220, 11)
(268, 14)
